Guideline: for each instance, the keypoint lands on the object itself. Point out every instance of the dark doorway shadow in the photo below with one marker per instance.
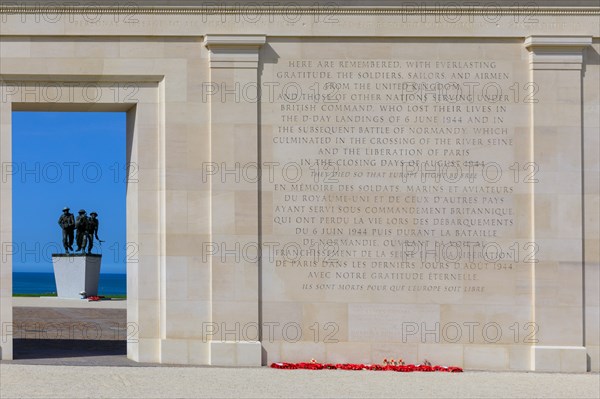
(66, 348)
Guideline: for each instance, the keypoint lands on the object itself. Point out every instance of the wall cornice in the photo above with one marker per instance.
(299, 10)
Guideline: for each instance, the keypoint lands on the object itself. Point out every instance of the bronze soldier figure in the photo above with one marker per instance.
(92, 231)
(81, 223)
(67, 224)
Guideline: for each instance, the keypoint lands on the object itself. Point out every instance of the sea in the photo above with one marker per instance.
(43, 283)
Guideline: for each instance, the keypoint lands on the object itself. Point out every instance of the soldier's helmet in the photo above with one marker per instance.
(93, 213)
(66, 208)
(82, 211)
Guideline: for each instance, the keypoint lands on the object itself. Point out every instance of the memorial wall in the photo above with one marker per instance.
(345, 182)
(400, 211)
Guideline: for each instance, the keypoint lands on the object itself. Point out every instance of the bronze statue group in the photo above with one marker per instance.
(86, 228)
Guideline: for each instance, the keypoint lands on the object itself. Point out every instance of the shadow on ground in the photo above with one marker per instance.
(66, 348)
(70, 336)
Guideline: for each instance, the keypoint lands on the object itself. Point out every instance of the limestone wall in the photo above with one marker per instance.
(429, 178)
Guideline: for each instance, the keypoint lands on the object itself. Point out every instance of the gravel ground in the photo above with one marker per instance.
(37, 381)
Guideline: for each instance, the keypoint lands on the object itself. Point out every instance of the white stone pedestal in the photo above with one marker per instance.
(74, 273)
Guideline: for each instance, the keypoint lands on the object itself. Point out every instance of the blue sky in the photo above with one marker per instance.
(74, 159)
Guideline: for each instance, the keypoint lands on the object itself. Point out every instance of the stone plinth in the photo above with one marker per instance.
(75, 273)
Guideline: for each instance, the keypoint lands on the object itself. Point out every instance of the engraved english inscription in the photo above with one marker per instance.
(398, 178)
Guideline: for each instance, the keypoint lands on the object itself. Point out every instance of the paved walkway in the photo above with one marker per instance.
(70, 332)
(27, 381)
(49, 366)
(54, 302)
(69, 323)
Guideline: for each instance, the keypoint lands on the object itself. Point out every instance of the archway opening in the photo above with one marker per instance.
(76, 160)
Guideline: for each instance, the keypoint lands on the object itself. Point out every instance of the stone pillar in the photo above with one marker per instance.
(556, 119)
(234, 199)
(6, 249)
